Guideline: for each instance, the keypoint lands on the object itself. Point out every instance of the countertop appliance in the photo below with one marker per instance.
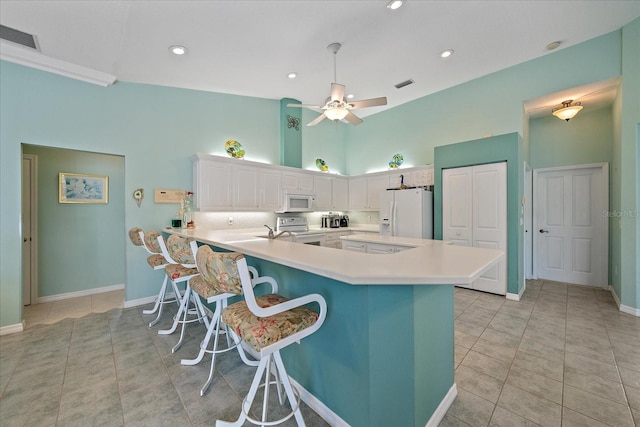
(344, 221)
(407, 213)
(298, 226)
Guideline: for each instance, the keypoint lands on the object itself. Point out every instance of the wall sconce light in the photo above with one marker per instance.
(568, 110)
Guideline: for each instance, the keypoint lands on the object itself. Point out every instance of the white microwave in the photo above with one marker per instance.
(296, 201)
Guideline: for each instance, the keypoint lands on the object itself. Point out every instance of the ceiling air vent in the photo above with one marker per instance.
(16, 36)
(405, 83)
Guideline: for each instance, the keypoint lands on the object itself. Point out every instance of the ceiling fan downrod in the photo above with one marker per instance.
(334, 48)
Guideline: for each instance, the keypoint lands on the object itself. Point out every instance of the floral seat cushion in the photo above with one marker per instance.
(176, 271)
(259, 332)
(156, 260)
(180, 250)
(151, 241)
(134, 236)
(219, 270)
(200, 286)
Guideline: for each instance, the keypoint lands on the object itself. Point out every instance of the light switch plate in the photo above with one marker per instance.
(168, 196)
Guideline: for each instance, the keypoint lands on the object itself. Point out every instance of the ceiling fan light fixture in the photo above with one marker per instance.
(568, 110)
(177, 49)
(395, 4)
(336, 113)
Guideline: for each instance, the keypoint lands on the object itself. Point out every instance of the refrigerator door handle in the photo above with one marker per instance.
(394, 205)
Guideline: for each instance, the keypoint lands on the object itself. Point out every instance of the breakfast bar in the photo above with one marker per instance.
(384, 355)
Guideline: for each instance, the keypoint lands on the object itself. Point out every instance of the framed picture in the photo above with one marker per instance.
(83, 188)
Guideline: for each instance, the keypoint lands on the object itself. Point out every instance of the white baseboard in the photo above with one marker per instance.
(147, 300)
(77, 294)
(443, 407)
(335, 421)
(12, 329)
(320, 408)
(623, 308)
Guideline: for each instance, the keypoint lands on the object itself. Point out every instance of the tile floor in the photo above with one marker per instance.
(563, 356)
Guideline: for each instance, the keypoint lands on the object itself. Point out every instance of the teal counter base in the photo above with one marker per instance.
(384, 356)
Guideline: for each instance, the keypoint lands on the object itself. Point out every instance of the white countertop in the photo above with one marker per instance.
(432, 262)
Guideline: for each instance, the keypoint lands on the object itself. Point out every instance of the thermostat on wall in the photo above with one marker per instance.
(168, 196)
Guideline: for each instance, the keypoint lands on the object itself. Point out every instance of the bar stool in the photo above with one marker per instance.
(217, 283)
(157, 261)
(181, 268)
(268, 323)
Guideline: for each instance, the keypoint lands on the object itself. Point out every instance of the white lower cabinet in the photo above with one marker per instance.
(372, 248)
(332, 239)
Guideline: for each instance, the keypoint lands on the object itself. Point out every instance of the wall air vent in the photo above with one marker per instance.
(404, 83)
(19, 37)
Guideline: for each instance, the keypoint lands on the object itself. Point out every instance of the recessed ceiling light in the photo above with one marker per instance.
(177, 49)
(292, 75)
(350, 96)
(446, 53)
(394, 4)
(553, 45)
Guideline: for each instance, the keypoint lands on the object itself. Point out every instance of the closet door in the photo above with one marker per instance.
(490, 221)
(457, 207)
(474, 213)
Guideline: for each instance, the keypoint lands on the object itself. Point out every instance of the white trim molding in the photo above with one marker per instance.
(623, 308)
(77, 294)
(320, 408)
(443, 407)
(34, 59)
(12, 329)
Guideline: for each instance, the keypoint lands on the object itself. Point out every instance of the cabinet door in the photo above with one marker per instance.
(358, 193)
(297, 181)
(377, 248)
(340, 194)
(375, 186)
(324, 193)
(245, 187)
(213, 183)
(354, 246)
(270, 189)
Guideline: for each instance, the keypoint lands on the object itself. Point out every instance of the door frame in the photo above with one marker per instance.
(604, 227)
(33, 192)
(527, 206)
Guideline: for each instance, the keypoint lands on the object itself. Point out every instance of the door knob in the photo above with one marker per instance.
(543, 231)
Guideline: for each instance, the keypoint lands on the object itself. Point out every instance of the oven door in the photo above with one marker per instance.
(316, 239)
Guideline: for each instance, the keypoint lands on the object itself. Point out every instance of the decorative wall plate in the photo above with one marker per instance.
(234, 149)
(396, 161)
(322, 165)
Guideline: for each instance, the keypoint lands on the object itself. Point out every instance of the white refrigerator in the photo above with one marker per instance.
(407, 213)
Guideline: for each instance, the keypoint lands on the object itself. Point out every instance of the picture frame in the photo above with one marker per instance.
(83, 188)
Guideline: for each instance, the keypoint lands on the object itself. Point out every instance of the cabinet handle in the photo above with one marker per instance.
(543, 231)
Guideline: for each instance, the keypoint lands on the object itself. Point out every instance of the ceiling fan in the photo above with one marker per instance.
(336, 106)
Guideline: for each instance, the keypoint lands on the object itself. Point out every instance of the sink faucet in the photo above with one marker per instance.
(275, 236)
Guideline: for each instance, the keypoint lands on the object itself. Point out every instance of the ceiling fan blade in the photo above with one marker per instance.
(373, 102)
(337, 92)
(316, 120)
(304, 105)
(353, 119)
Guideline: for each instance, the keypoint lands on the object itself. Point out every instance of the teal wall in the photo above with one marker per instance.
(157, 129)
(489, 150)
(91, 234)
(587, 138)
(290, 137)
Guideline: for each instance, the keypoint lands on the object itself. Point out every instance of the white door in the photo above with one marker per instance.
(29, 259)
(490, 221)
(571, 236)
(457, 206)
(474, 213)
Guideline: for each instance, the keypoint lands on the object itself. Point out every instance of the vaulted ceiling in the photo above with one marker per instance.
(249, 47)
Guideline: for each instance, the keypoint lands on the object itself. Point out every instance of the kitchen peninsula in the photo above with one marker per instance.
(384, 355)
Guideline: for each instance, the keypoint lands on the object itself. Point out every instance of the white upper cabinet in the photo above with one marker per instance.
(375, 185)
(364, 191)
(331, 193)
(245, 187)
(300, 181)
(358, 193)
(212, 182)
(270, 189)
